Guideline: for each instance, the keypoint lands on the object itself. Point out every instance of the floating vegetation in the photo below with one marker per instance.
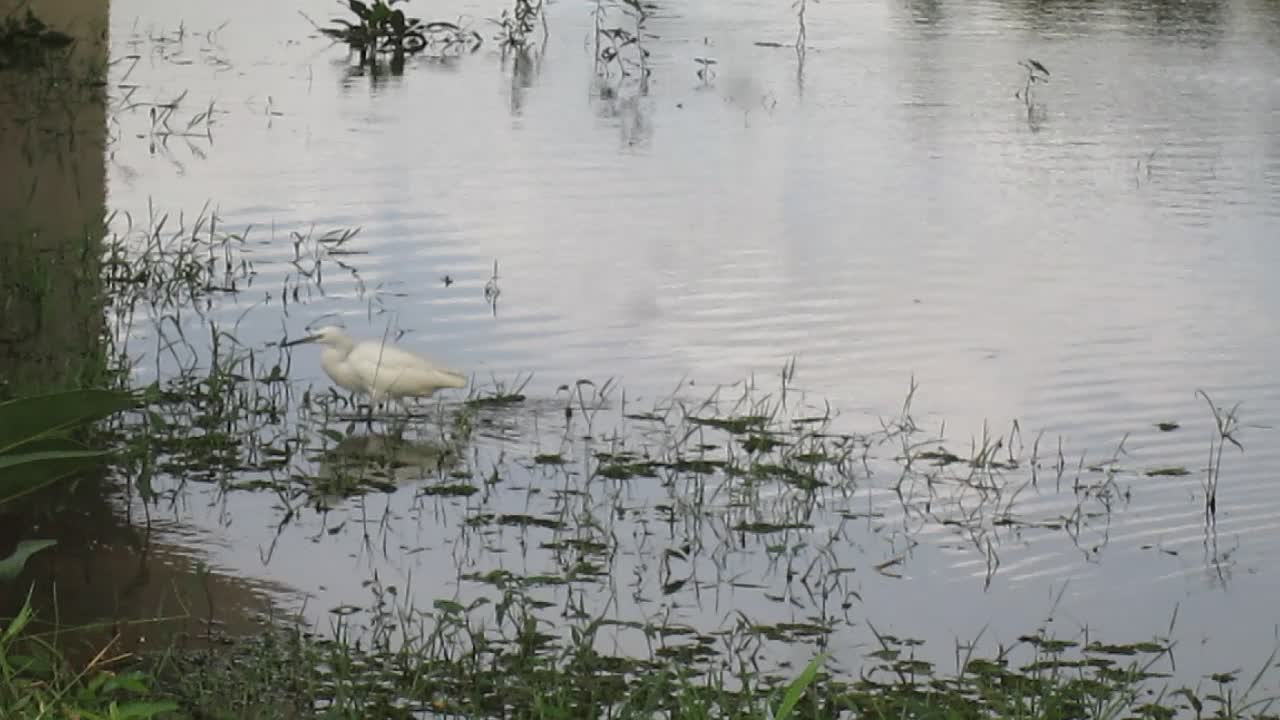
(737, 425)
(514, 520)
(625, 468)
(762, 528)
(1168, 472)
(451, 489)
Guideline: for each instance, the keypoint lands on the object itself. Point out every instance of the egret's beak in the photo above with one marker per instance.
(299, 341)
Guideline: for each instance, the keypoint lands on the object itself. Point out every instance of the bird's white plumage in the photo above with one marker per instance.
(379, 370)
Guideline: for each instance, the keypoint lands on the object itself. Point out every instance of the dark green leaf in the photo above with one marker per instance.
(11, 566)
(27, 419)
(797, 689)
(25, 473)
(145, 709)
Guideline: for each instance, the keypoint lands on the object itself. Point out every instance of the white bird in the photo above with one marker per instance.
(377, 369)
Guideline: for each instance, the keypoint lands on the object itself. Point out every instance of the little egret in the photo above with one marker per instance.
(377, 369)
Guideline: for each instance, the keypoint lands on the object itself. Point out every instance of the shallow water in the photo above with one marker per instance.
(886, 210)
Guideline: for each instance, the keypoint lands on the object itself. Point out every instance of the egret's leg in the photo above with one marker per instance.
(401, 422)
(406, 410)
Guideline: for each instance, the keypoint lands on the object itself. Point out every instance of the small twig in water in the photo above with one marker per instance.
(491, 289)
(1036, 73)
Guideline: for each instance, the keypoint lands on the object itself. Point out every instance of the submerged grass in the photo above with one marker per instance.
(450, 663)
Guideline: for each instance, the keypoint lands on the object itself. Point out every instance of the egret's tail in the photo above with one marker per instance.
(454, 380)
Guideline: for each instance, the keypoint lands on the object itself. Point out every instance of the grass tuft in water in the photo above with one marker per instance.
(451, 661)
(379, 28)
(1226, 424)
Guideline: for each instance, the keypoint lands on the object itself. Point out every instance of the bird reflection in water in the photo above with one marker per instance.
(380, 462)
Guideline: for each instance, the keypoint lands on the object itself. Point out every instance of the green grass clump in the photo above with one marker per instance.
(451, 666)
(36, 681)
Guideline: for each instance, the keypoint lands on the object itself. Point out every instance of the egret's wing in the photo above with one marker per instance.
(393, 370)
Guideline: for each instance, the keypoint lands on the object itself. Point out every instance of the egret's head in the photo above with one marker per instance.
(327, 335)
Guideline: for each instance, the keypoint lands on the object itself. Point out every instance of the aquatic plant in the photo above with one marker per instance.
(620, 48)
(706, 69)
(381, 28)
(517, 24)
(495, 659)
(1226, 423)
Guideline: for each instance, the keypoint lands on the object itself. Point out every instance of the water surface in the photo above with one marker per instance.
(886, 209)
